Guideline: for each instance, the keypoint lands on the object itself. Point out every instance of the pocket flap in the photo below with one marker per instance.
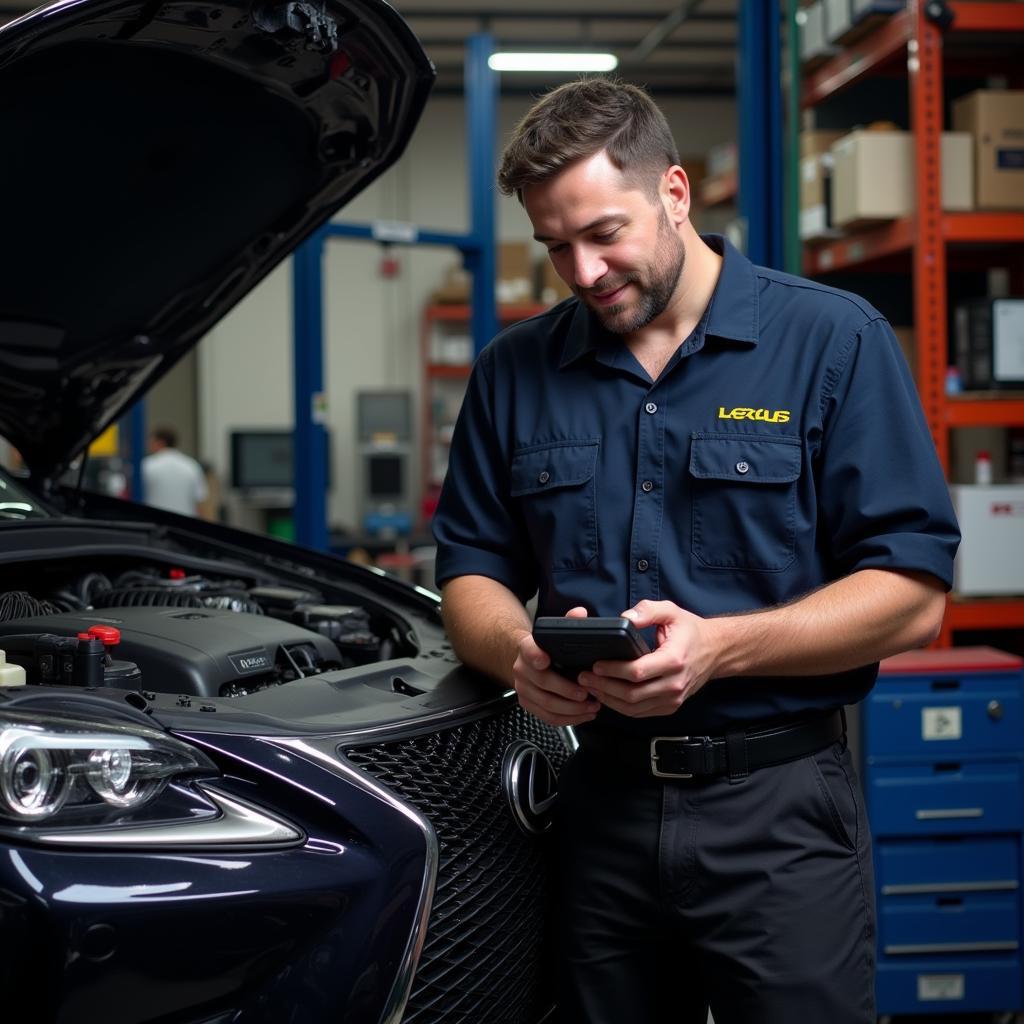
(558, 465)
(745, 459)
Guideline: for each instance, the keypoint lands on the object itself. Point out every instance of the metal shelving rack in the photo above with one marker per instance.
(931, 242)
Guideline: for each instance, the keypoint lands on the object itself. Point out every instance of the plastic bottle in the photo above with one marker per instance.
(11, 675)
(983, 468)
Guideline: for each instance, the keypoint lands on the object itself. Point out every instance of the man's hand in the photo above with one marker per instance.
(657, 683)
(546, 694)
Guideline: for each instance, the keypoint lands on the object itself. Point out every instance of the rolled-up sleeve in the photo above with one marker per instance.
(476, 528)
(884, 502)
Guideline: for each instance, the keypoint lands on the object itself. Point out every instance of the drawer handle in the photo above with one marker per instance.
(996, 885)
(953, 947)
(941, 813)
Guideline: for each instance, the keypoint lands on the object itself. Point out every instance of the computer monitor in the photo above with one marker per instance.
(385, 477)
(264, 460)
(384, 415)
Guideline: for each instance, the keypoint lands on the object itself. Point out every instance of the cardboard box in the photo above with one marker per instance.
(455, 289)
(957, 149)
(996, 120)
(991, 556)
(863, 162)
(816, 225)
(864, 158)
(816, 198)
(514, 274)
(550, 288)
(816, 142)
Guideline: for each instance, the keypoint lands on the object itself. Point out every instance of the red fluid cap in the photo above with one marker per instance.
(176, 574)
(85, 636)
(110, 635)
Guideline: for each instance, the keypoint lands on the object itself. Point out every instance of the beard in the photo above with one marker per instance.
(656, 283)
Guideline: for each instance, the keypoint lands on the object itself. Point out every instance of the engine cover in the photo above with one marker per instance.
(203, 652)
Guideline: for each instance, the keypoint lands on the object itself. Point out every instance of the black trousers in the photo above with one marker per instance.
(755, 898)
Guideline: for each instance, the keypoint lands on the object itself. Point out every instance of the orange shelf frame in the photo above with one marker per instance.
(448, 371)
(987, 17)
(868, 56)
(984, 227)
(990, 411)
(863, 247)
(460, 311)
(926, 237)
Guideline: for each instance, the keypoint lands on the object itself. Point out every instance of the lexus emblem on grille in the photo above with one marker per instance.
(530, 785)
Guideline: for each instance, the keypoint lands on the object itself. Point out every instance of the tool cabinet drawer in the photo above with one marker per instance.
(937, 985)
(944, 798)
(957, 864)
(944, 718)
(949, 924)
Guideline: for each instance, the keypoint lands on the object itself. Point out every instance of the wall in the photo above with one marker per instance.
(372, 324)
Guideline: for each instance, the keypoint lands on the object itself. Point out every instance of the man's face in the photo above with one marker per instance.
(611, 242)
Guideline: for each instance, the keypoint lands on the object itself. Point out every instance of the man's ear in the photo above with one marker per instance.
(675, 194)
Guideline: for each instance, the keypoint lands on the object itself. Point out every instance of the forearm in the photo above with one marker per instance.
(854, 621)
(485, 622)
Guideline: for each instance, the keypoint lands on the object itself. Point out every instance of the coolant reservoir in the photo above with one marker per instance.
(10, 675)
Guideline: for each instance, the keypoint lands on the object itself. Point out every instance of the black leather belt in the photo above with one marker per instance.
(735, 754)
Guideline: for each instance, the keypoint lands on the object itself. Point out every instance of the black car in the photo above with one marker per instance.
(241, 781)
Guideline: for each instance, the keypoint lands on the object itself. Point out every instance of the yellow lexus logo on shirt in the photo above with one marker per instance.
(763, 415)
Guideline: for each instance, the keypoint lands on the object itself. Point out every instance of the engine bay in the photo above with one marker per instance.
(170, 630)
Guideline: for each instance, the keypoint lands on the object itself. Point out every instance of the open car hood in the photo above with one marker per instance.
(159, 159)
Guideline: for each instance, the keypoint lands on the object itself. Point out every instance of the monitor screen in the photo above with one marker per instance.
(263, 459)
(386, 471)
(384, 413)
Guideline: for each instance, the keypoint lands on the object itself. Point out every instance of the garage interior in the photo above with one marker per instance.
(848, 141)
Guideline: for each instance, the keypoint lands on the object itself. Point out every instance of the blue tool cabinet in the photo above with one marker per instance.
(943, 750)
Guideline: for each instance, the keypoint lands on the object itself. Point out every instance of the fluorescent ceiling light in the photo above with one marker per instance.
(553, 61)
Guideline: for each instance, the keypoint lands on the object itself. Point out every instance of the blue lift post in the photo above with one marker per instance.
(137, 448)
(761, 129)
(477, 248)
(309, 439)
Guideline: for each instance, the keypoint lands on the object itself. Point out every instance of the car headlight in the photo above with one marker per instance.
(78, 771)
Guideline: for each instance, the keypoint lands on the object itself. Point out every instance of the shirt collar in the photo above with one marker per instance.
(732, 314)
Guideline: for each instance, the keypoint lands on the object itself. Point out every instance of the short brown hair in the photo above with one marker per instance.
(581, 118)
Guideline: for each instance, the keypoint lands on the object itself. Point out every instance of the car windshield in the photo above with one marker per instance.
(16, 502)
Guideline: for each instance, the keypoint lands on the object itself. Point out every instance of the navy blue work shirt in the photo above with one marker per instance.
(781, 448)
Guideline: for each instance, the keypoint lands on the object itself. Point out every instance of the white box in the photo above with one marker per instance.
(864, 159)
(813, 46)
(957, 156)
(872, 177)
(838, 20)
(991, 556)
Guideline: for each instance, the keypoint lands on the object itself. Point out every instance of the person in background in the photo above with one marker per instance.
(171, 479)
(736, 460)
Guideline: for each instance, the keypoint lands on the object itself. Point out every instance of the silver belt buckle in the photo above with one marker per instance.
(654, 758)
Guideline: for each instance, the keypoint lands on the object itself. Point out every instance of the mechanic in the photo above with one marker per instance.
(171, 479)
(736, 460)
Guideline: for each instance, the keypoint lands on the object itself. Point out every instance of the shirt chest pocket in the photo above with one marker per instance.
(744, 501)
(554, 486)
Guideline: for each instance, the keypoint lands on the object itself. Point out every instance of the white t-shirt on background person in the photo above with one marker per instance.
(174, 481)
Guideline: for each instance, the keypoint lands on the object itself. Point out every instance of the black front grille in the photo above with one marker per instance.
(484, 960)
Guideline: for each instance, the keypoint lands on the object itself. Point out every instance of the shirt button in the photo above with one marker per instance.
(742, 467)
(647, 486)
(651, 408)
(544, 477)
(643, 565)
